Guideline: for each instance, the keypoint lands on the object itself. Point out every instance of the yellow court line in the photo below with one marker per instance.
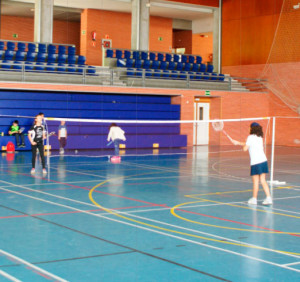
(219, 226)
(170, 230)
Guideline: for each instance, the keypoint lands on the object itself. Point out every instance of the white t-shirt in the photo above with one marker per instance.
(256, 149)
(116, 132)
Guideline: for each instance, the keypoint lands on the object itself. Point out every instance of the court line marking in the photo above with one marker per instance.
(9, 277)
(152, 230)
(163, 233)
(293, 263)
(36, 268)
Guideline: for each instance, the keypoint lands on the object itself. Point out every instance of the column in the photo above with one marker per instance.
(217, 40)
(43, 21)
(140, 17)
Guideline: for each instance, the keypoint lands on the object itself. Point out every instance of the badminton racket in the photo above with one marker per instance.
(219, 126)
(109, 143)
(21, 129)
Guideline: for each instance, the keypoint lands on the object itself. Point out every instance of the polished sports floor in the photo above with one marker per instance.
(162, 215)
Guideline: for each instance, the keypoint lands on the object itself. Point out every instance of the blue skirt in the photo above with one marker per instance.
(259, 169)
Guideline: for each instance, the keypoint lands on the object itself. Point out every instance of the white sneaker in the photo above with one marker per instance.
(44, 171)
(61, 151)
(252, 201)
(32, 171)
(267, 201)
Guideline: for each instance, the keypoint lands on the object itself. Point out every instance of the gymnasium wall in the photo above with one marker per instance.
(202, 44)
(183, 39)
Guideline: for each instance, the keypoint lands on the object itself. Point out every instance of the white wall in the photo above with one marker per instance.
(204, 24)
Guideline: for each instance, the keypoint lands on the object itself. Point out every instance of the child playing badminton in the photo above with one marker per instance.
(116, 134)
(62, 136)
(258, 161)
(36, 136)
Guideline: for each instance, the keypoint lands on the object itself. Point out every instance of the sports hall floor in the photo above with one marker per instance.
(179, 215)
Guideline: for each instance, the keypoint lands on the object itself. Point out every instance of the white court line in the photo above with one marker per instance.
(155, 231)
(293, 263)
(38, 269)
(9, 277)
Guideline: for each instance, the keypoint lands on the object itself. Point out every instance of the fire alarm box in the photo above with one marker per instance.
(106, 43)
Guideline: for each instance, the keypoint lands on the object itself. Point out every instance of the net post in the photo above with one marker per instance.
(272, 156)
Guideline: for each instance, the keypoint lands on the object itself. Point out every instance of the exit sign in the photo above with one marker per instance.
(160, 39)
(15, 35)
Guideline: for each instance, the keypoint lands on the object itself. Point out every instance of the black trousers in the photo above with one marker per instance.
(18, 135)
(40, 147)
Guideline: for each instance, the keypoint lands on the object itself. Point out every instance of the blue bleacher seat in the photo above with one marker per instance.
(39, 67)
(20, 56)
(9, 55)
(30, 56)
(171, 66)
(50, 67)
(52, 58)
(80, 68)
(184, 58)
(109, 53)
(166, 74)
(176, 58)
(6, 64)
(17, 65)
(210, 68)
(2, 45)
(41, 57)
(174, 74)
(157, 73)
(198, 75)
(61, 49)
(61, 67)
(202, 68)
(129, 63)
(51, 49)
(206, 76)
(71, 68)
(155, 65)
(191, 75)
(127, 54)
(221, 77)
(214, 76)
(195, 67)
(198, 59)
(42, 48)
(91, 70)
(139, 72)
(163, 65)
(62, 58)
(160, 56)
(71, 50)
(119, 54)
(144, 56)
(169, 57)
(191, 59)
(121, 63)
(187, 66)
(138, 63)
(182, 75)
(148, 73)
(21, 46)
(135, 55)
(2, 54)
(28, 66)
(71, 59)
(130, 72)
(81, 60)
(31, 47)
(152, 56)
(147, 64)
(179, 66)
(10, 46)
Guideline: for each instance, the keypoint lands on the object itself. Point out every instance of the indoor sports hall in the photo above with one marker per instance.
(149, 140)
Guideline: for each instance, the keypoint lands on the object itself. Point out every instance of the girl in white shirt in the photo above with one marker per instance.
(258, 162)
(116, 134)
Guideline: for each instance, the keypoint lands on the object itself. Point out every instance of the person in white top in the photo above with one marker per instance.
(62, 136)
(116, 134)
(258, 162)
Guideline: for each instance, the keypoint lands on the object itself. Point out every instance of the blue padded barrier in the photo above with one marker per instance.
(210, 68)
(176, 58)
(138, 63)
(28, 66)
(202, 68)
(198, 59)
(187, 66)
(41, 57)
(20, 56)
(169, 57)
(71, 50)
(184, 58)
(2, 45)
(21, 46)
(31, 56)
(222, 77)
(10, 46)
(152, 56)
(171, 66)
(119, 54)
(39, 67)
(81, 60)
(195, 67)
(51, 49)
(50, 67)
(147, 64)
(163, 65)
(166, 74)
(130, 72)
(179, 66)
(155, 65)
(127, 54)
(42, 48)
(129, 63)
(160, 57)
(62, 49)
(31, 47)
(52, 58)
(71, 60)
(91, 70)
(191, 59)
(61, 67)
(62, 58)
(9, 55)
(144, 56)
(109, 53)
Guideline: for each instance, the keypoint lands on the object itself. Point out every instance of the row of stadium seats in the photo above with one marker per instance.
(147, 64)
(152, 56)
(168, 74)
